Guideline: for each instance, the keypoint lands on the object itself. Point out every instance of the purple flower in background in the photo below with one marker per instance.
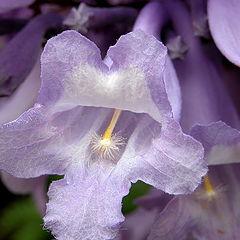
(74, 130)
(138, 224)
(208, 113)
(212, 212)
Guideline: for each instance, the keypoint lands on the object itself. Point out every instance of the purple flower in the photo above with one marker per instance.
(207, 111)
(74, 130)
(138, 224)
(212, 212)
(224, 26)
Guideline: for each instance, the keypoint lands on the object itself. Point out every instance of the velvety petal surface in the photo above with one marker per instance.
(167, 157)
(224, 26)
(88, 207)
(220, 141)
(146, 22)
(42, 141)
(156, 199)
(31, 146)
(73, 71)
(138, 50)
(17, 59)
(7, 5)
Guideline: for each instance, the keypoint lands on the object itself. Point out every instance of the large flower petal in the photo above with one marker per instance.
(88, 207)
(74, 74)
(163, 156)
(23, 142)
(224, 25)
(138, 50)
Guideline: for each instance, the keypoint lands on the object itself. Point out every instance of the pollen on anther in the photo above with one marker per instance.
(106, 148)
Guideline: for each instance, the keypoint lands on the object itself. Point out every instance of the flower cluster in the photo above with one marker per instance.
(107, 93)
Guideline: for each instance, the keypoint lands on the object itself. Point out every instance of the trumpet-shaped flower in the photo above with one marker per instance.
(103, 127)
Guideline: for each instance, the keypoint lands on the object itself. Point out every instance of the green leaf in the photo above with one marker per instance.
(137, 189)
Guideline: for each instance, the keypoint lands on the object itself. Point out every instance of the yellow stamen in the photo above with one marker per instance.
(209, 192)
(208, 185)
(108, 133)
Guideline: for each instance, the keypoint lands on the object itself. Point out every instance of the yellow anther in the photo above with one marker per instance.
(107, 146)
(208, 185)
(210, 190)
